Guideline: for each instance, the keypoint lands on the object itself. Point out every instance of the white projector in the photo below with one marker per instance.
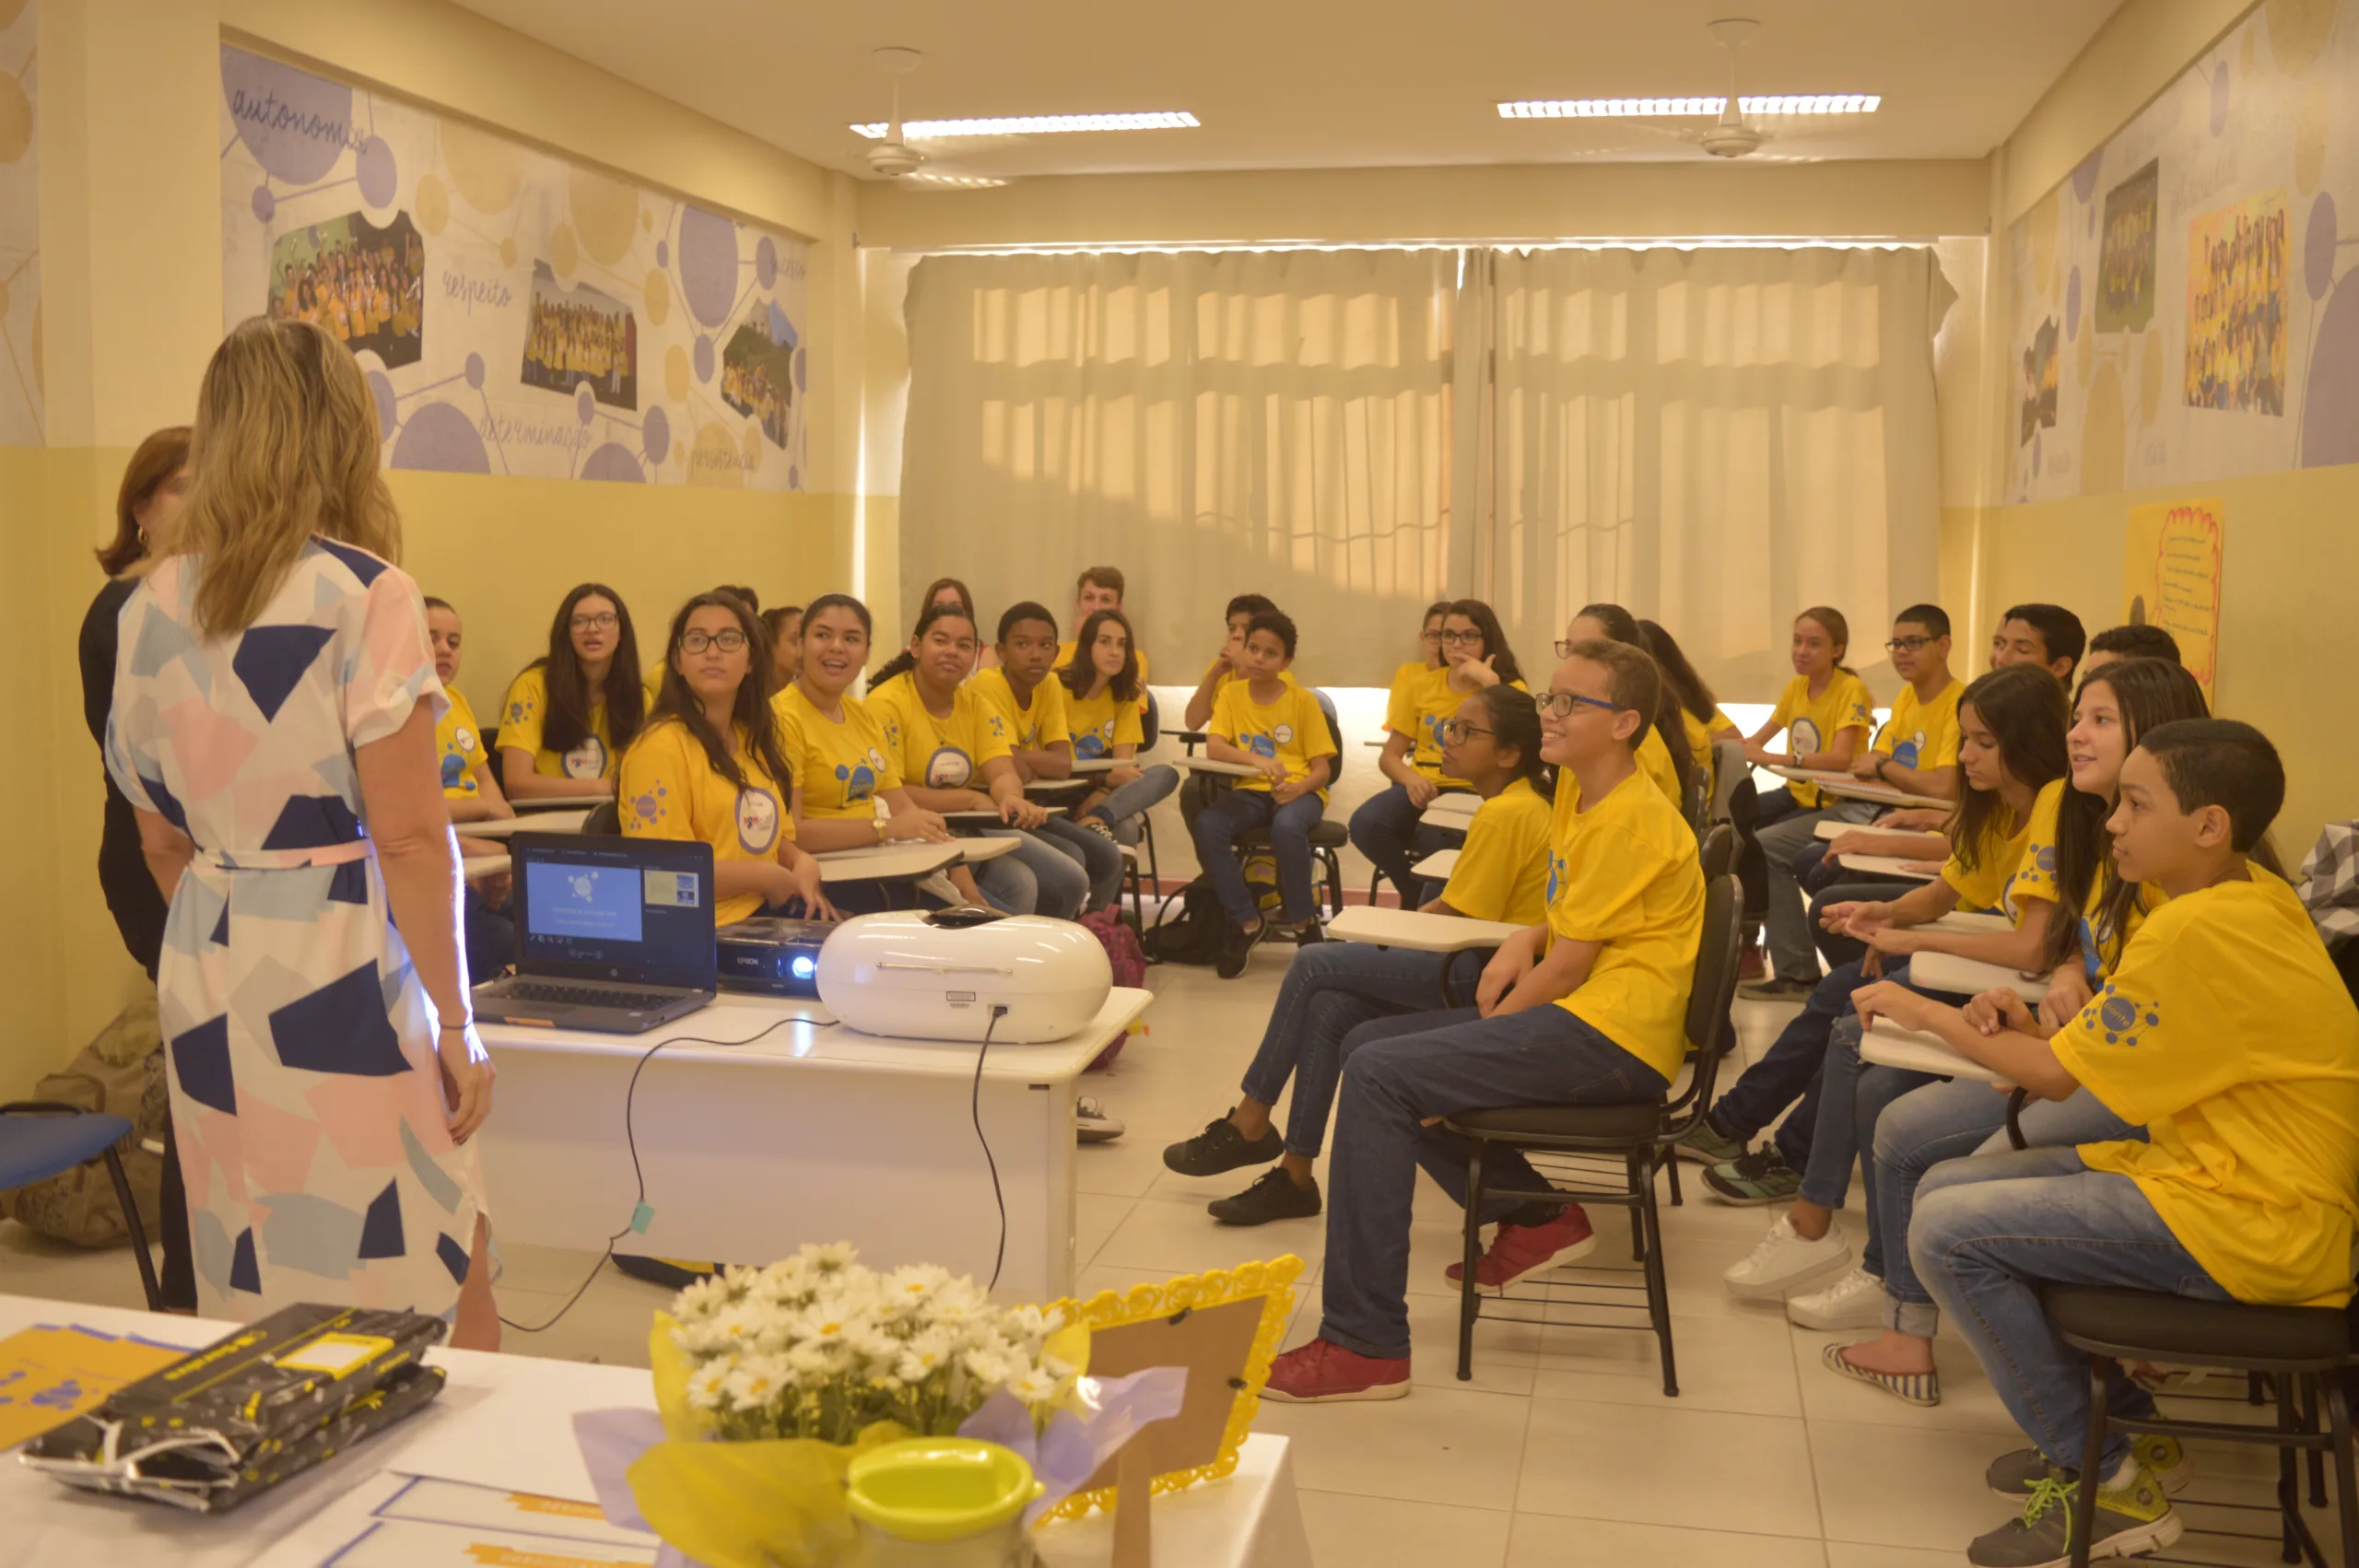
(943, 975)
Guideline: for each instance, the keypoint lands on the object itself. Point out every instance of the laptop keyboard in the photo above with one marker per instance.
(586, 996)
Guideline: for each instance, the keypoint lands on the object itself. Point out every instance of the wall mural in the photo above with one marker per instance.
(20, 383)
(515, 314)
(2186, 307)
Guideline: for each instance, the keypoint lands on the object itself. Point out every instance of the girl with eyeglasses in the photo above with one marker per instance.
(1491, 740)
(574, 712)
(709, 767)
(1474, 655)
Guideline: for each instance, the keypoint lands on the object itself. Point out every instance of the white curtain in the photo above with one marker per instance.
(1716, 437)
(1209, 422)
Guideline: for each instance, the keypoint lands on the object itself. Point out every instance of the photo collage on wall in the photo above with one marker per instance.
(2182, 310)
(514, 313)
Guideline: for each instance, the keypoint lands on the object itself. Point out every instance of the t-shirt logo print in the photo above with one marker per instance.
(2123, 1017)
(860, 779)
(948, 768)
(757, 820)
(648, 807)
(587, 760)
(1906, 752)
(1261, 745)
(1801, 737)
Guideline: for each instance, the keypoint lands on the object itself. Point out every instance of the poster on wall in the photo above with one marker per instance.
(2170, 578)
(20, 385)
(514, 313)
(2196, 264)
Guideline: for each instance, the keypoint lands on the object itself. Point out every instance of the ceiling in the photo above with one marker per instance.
(1323, 84)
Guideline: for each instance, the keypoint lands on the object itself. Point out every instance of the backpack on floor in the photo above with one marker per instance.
(1124, 952)
(122, 1073)
(1194, 935)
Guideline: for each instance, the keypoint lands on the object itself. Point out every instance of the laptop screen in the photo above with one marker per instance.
(602, 909)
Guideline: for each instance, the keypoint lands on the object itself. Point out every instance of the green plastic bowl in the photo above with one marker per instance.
(939, 1488)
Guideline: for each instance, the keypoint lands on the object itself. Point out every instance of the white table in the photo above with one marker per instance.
(1211, 764)
(1829, 831)
(877, 863)
(1971, 976)
(813, 1131)
(1888, 1045)
(1438, 865)
(1851, 786)
(1414, 933)
(560, 803)
(1885, 865)
(539, 821)
(1970, 924)
(989, 819)
(1253, 1519)
(1457, 803)
(476, 867)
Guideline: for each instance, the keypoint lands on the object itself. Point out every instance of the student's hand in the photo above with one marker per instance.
(805, 884)
(978, 800)
(916, 822)
(1894, 939)
(1017, 812)
(1931, 868)
(1903, 1006)
(1480, 673)
(1422, 791)
(1858, 921)
(1851, 841)
(1868, 764)
(1759, 755)
(1288, 790)
(1506, 970)
(1117, 777)
(467, 1073)
(2068, 993)
(1914, 819)
(1272, 769)
(1995, 1011)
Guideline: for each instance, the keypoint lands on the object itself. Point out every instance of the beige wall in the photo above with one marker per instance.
(131, 231)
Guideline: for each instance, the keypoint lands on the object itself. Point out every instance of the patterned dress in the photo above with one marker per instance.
(306, 1093)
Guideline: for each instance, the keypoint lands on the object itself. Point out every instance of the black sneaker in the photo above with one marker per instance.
(1220, 1148)
(1762, 1176)
(1236, 945)
(1274, 1197)
(1777, 989)
(1310, 935)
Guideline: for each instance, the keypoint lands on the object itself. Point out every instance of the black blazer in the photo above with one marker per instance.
(123, 876)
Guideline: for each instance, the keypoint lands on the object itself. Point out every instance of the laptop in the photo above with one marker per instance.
(612, 935)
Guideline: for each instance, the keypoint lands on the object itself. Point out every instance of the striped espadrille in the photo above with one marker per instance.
(1923, 1388)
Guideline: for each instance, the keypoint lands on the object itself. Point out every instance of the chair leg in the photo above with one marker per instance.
(2346, 1496)
(2288, 1474)
(2317, 1456)
(1672, 1160)
(1469, 1303)
(138, 1231)
(1658, 1281)
(2084, 1496)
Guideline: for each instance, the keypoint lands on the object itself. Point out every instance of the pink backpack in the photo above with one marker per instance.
(1128, 960)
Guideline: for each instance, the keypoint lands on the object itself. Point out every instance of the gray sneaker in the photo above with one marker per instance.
(1704, 1145)
(2133, 1518)
(1777, 989)
(2018, 1474)
(1762, 1176)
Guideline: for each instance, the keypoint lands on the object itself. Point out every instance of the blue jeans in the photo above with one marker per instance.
(1125, 806)
(1789, 1071)
(1230, 816)
(1329, 990)
(1988, 1231)
(1099, 858)
(1839, 947)
(1387, 830)
(1953, 1120)
(1852, 1095)
(1787, 830)
(1396, 1072)
(1041, 878)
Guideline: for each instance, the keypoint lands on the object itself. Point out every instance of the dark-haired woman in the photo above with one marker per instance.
(709, 767)
(1386, 827)
(784, 623)
(146, 505)
(571, 714)
(1491, 743)
(1103, 688)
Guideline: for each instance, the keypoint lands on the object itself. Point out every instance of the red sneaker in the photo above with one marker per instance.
(1323, 1373)
(1517, 1250)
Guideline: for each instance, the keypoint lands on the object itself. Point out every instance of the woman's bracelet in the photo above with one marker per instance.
(461, 1026)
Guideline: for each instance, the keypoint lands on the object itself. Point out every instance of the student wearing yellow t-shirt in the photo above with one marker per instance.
(709, 767)
(1386, 827)
(1032, 703)
(1098, 589)
(1825, 713)
(570, 716)
(1661, 750)
(1104, 696)
(1493, 742)
(1587, 1006)
(472, 794)
(1280, 732)
(2012, 751)
(1225, 665)
(952, 750)
(2226, 1034)
(1700, 718)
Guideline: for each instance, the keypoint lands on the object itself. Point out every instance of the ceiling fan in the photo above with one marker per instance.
(895, 157)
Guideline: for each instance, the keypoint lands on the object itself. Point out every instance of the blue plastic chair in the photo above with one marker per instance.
(39, 1138)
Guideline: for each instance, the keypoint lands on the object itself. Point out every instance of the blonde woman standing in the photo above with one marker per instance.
(275, 704)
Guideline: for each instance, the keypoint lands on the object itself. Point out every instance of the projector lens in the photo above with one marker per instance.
(803, 968)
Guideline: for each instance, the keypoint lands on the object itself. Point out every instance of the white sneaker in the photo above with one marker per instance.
(1092, 1125)
(1855, 1301)
(1785, 1260)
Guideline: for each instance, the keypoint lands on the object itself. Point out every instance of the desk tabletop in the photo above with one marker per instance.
(1418, 933)
(1887, 865)
(1850, 785)
(1213, 764)
(1827, 832)
(1437, 866)
(538, 822)
(989, 819)
(1888, 1045)
(878, 861)
(780, 1032)
(560, 803)
(1971, 976)
(474, 867)
(1457, 803)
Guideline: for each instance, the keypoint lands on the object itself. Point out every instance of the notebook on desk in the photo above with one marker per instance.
(612, 935)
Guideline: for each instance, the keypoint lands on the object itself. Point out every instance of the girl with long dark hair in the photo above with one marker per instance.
(1103, 693)
(575, 710)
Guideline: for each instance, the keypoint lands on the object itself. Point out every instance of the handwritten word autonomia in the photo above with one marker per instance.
(268, 112)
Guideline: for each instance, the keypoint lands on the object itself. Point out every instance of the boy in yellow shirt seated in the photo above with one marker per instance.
(2226, 1031)
(1587, 1006)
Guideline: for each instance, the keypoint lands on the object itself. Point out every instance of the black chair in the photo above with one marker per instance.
(603, 820)
(1151, 730)
(1639, 1135)
(39, 1138)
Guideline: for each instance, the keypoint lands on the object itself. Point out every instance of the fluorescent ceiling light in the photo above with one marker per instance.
(1033, 125)
(1679, 107)
(956, 181)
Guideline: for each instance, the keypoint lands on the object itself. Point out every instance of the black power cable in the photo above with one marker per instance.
(999, 1011)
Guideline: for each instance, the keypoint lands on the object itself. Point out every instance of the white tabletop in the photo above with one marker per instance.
(1457, 803)
(540, 821)
(1211, 764)
(1055, 785)
(1888, 1045)
(1885, 865)
(907, 859)
(1837, 781)
(1438, 865)
(1417, 933)
(1972, 925)
(559, 803)
(989, 819)
(1971, 976)
(1102, 764)
(1444, 819)
(804, 1037)
(479, 866)
(1831, 830)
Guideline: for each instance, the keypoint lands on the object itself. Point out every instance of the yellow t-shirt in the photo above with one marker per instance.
(1100, 724)
(1624, 873)
(527, 709)
(1033, 729)
(938, 754)
(2034, 875)
(1923, 736)
(1812, 722)
(2227, 1033)
(670, 789)
(1292, 730)
(1416, 709)
(1654, 761)
(1502, 874)
(840, 766)
(1987, 887)
(1702, 736)
(459, 740)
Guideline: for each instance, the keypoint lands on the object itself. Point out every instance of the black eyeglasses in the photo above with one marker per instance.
(1429, 636)
(1461, 636)
(698, 641)
(1453, 732)
(604, 621)
(1906, 644)
(1560, 705)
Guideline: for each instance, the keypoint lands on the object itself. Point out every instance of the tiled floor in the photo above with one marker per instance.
(1561, 1453)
